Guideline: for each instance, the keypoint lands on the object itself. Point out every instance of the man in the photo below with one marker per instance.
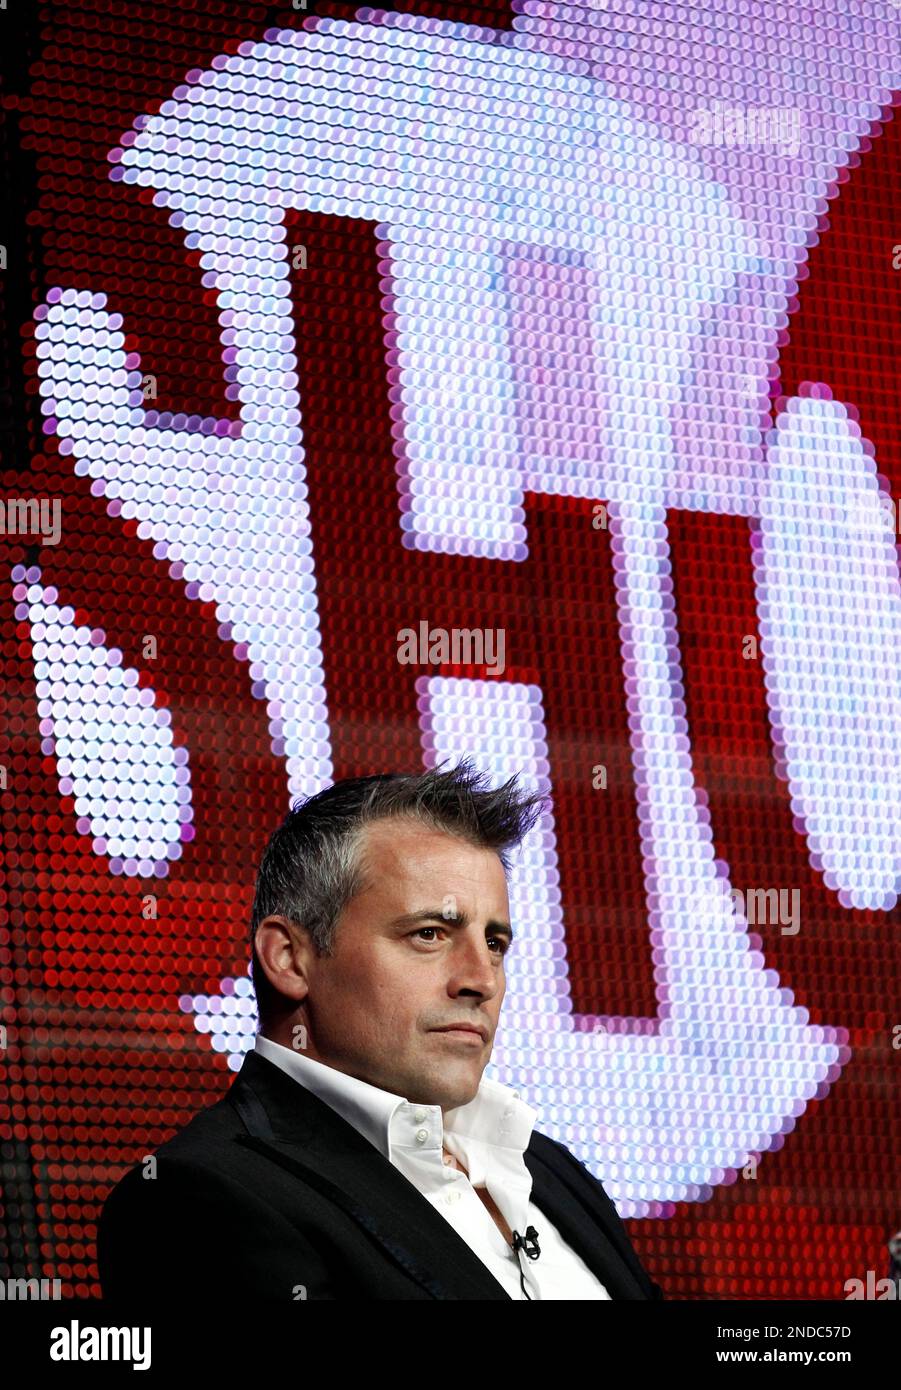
(359, 1153)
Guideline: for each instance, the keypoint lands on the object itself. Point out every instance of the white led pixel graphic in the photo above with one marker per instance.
(227, 1018)
(557, 266)
(829, 600)
(114, 752)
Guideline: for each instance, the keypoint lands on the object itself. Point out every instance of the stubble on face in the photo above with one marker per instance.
(395, 976)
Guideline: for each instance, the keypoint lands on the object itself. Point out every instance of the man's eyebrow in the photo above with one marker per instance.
(457, 919)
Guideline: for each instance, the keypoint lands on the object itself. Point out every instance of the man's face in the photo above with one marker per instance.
(420, 948)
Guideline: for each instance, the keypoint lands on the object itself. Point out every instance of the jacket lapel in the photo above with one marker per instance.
(294, 1128)
(580, 1217)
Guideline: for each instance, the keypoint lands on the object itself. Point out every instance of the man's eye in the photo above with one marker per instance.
(500, 941)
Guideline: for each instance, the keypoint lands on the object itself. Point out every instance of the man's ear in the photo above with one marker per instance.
(283, 950)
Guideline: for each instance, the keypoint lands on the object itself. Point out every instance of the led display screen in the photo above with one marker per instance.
(516, 381)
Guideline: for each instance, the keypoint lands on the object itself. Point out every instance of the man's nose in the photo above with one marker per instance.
(473, 969)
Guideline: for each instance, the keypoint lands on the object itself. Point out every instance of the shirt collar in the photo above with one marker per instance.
(495, 1119)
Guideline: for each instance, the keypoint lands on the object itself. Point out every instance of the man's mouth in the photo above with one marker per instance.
(471, 1032)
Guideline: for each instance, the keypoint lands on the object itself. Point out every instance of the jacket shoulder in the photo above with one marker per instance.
(568, 1167)
(185, 1229)
(564, 1163)
(192, 1219)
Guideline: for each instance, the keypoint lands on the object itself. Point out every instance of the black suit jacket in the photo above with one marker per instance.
(270, 1194)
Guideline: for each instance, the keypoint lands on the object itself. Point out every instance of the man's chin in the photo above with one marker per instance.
(451, 1092)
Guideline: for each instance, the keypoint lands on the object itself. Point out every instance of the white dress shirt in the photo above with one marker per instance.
(489, 1136)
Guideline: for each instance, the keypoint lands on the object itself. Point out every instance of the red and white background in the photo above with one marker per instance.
(571, 323)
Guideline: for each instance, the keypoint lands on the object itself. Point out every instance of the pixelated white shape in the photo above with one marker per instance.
(227, 509)
(490, 169)
(549, 176)
(458, 228)
(659, 1115)
(829, 603)
(113, 748)
(228, 1019)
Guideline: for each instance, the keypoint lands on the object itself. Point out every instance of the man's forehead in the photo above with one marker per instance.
(391, 830)
(412, 848)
